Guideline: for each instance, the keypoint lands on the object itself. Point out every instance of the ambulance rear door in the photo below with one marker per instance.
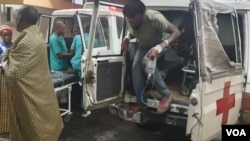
(217, 98)
(104, 66)
(44, 25)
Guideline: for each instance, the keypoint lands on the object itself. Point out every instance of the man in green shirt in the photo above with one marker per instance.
(150, 28)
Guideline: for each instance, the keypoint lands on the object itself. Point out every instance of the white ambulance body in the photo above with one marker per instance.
(243, 10)
(207, 87)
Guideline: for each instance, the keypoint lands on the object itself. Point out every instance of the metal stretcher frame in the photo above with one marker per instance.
(64, 81)
(65, 111)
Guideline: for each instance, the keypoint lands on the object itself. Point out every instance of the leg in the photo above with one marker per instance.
(138, 72)
(159, 84)
(161, 87)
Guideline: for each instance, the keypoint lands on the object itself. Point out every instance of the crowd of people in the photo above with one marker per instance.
(29, 100)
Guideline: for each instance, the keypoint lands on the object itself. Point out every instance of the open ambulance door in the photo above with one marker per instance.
(44, 25)
(104, 69)
(216, 100)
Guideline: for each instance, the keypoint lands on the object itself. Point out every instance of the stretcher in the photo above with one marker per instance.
(63, 81)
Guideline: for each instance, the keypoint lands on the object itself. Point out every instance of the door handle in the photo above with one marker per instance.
(102, 61)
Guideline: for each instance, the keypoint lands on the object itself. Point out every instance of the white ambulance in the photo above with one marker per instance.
(209, 84)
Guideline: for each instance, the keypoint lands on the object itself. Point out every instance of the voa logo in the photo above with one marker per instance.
(236, 132)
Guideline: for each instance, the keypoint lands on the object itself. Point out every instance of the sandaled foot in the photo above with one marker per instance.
(164, 105)
(135, 109)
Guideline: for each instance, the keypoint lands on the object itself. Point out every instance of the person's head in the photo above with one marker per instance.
(59, 28)
(25, 17)
(6, 34)
(134, 11)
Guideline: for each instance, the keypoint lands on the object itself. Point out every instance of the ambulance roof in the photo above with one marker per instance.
(88, 9)
(243, 4)
(163, 4)
(211, 5)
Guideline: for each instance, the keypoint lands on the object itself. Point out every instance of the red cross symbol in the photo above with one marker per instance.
(225, 103)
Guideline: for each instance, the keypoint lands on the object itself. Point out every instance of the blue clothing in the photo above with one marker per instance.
(3, 45)
(78, 49)
(57, 45)
(76, 59)
(86, 37)
(138, 76)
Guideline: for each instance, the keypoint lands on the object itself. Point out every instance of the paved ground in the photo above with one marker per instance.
(102, 126)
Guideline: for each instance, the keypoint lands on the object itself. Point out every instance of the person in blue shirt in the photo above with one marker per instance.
(6, 35)
(59, 54)
(77, 49)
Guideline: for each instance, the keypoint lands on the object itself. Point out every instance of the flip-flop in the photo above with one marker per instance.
(163, 110)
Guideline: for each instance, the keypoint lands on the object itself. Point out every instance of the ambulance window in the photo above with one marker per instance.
(70, 24)
(227, 33)
(119, 21)
(99, 39)
(105, 25)
(242, 37)
(112, 26)
(44, 21)
(105, 28)
(100, 36)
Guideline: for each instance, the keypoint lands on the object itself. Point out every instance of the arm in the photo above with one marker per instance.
(58, 48)
(174, 34)
(65, 55)
(73, 45)
(162, 24)
(125, 41)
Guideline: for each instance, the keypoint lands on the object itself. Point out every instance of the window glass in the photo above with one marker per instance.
(85, 22)
(120, 22)
(44, 28)
(105, 27)
(228, 35)
(70, 24)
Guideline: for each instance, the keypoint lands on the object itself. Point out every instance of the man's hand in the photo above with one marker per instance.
(154, 52)
(125, 44)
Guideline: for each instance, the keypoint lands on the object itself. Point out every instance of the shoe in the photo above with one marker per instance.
(86, 114)
(164, 105)
(135, 108)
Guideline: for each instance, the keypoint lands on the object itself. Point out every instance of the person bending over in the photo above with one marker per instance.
(149, 27)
